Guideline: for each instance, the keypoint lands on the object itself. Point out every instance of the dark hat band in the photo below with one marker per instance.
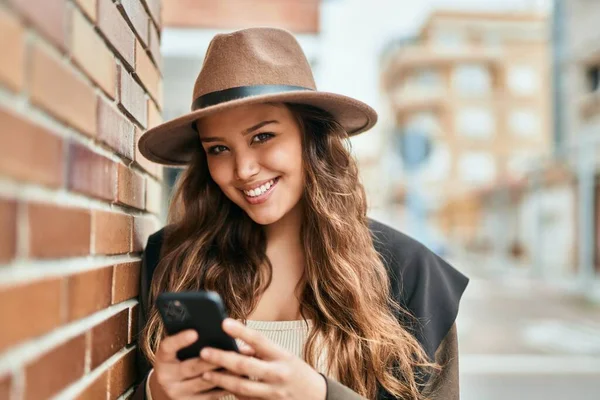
(240, 92)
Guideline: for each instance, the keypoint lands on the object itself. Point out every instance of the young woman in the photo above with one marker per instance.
(270, 213)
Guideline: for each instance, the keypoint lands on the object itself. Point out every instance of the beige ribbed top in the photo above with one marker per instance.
(290, 335)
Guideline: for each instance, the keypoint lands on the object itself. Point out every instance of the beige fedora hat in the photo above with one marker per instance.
(249, 66)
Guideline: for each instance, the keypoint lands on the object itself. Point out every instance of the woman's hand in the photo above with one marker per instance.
(280, 374)
(174, 379)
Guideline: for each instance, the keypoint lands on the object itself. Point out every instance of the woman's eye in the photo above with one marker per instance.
(216, 149)
(262, 137)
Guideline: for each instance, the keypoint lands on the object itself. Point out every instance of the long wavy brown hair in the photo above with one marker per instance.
(211, 244)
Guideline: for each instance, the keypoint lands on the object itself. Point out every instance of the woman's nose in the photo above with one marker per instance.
(246, 166)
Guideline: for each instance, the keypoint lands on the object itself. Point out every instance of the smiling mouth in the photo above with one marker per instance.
(261, 193)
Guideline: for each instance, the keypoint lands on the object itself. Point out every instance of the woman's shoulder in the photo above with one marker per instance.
(408, 261)
(394, 245)
(421, 281)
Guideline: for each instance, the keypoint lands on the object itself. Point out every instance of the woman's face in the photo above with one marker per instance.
(254, 154)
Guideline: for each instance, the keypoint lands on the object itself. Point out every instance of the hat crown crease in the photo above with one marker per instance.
(255, 56)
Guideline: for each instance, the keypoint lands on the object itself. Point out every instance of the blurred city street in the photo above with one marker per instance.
(520, 338)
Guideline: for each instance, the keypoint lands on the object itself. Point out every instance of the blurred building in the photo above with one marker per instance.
(477, 86)
(553, 216)
(541, 209)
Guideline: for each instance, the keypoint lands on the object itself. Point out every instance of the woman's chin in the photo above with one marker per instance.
(264, 215)
(264, 218)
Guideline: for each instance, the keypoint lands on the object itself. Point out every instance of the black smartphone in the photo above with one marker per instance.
(202, 311)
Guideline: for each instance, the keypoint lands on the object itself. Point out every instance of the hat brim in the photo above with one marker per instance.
(172, 142)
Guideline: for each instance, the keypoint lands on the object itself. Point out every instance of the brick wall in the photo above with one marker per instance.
(79, 82)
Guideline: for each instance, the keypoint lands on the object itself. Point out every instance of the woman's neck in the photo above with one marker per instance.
(286, 231)
(286, 254)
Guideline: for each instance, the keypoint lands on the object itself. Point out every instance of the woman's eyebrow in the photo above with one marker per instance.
(245, 132)
(258, 126)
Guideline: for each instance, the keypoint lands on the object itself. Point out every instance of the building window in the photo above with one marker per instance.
(523, 80)
(475, 122)
(477, 168)
(471, 80)
(428, 78)
(422, 82)
(524, 123)
(593, 78)
(424, 122)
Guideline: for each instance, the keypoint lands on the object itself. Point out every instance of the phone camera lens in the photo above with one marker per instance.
(176, 311)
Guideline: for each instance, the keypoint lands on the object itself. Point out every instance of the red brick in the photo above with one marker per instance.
(154, 116)
(112, 232)
(296, 16)
(154, 6)
(98, 389)
(130, 188)
(147, 73)
(56, 369)
(40, 300)
(91, 54)
(8, 227)
(142, 228)
(55, 88)
(142, 161)
(58, 231)
(28, 152)
(115, 130)
(109, 337)
(122, 375)
(155, 47)
(47, 16)
(153, 196)
(5, 386)
(88, 292)
(90, 173)
(133, 323)
(112, 24)
(126, 281)
(138, 17)
(132, 97)
(89, 8)
(12, 43)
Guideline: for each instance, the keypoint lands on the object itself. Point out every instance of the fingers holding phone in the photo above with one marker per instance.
(193, 321)
(175, 379)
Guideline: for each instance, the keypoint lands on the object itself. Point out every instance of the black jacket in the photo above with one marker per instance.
(421, 282)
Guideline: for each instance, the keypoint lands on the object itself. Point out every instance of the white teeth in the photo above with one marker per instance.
(259, 190)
